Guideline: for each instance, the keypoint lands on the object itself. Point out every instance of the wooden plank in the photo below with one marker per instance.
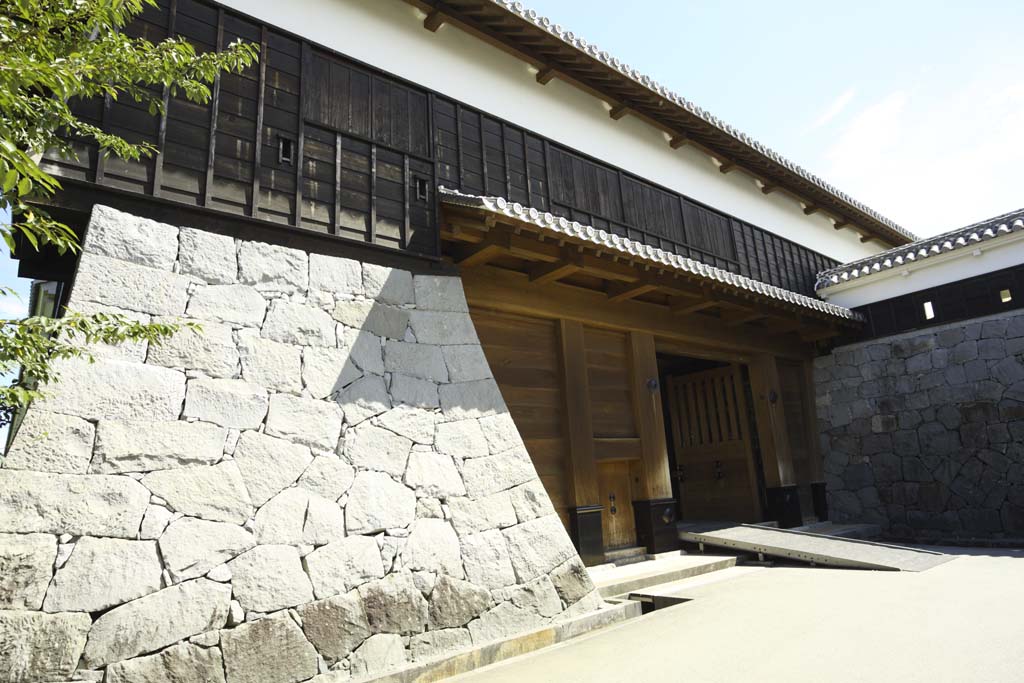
(158, 163)
(261, 95)
(656, 482)
(211, 151)
(305, 80)
(579, 423)
(617, 448)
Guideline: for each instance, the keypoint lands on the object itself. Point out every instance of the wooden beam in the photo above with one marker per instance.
(866, 238)
(688, 308)
(498, 289)
(546, 75)
(434, 21)
(811, 209)
(678, 141)
(552, 272)
(579, 424)
(618, 111)
(840, 224)
(656, 482)
(726, 167)
(743, 318)
(622, 292)
(768, 189)
(479, 254)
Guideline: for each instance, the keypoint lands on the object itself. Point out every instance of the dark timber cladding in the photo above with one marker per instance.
(311, 139)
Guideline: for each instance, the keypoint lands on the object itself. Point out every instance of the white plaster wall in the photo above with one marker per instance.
(389, 34)
(937, 270)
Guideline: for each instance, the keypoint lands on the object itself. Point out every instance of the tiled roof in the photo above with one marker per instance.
(911, 253)
(595, 52)
(573, 230)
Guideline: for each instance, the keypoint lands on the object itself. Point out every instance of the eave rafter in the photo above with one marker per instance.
(474, 241)
(589, 70)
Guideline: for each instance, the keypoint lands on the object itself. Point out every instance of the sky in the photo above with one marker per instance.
(914, 108)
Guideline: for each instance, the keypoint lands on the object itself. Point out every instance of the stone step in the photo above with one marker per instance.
(623, 556)
(614, 581)
(675, 592)
(611, 615)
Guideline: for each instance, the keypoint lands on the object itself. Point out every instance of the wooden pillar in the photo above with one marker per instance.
(650, 422)
(771, 422)
(654, 507)
(783, 503)
(584, 499)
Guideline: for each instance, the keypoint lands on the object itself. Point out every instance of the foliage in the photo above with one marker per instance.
(37, 345)
(53, 52)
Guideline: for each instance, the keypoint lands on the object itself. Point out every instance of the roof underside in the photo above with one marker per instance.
(556, 52)
(961, 238)
(647, 257)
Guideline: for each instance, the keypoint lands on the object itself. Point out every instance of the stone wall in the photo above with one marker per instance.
(923, 433)
(322, 482)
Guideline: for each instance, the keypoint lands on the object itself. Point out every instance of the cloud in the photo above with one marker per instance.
(936, 155)
(834, 109)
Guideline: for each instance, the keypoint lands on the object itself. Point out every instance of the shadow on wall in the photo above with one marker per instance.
(327, 467)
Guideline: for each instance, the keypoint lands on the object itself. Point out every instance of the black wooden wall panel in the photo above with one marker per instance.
(962, 300)
(312, 139)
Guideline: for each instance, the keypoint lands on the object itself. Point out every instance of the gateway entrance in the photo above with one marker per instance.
(714, 469)
(711, 438)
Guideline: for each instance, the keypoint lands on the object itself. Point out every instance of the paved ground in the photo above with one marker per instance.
(962, 621)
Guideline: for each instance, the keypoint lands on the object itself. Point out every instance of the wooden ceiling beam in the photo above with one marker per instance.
(572, 262)
(622, 292)
(478, 255)
(690, 307)
(727, 166)
(434, 21)
(840, 224)
(744, 318)
(618, 111)
(678, 141)
(546, 75)
(769, 188)
(811, 209)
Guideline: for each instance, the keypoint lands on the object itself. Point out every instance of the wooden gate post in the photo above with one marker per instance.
(584, 500)
(655, 511)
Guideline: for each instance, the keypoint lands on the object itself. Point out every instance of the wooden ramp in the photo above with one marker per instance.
(816, 549)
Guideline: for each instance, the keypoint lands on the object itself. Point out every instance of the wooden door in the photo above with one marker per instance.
(615, 487)
(714, 459)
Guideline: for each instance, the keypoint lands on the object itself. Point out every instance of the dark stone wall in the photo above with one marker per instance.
(923, 432)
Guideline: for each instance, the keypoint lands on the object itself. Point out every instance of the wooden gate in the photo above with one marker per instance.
(714, 459)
